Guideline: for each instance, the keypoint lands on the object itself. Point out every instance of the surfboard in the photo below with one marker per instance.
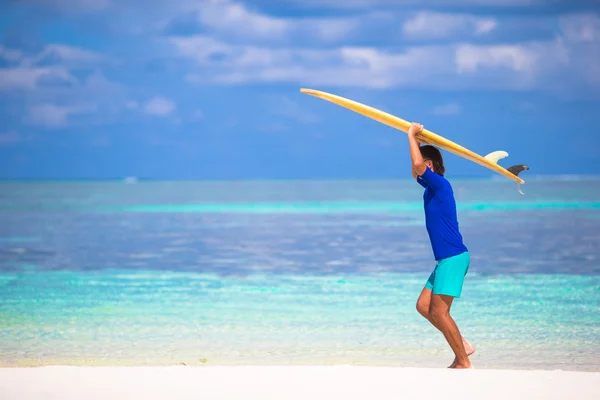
(426, 136)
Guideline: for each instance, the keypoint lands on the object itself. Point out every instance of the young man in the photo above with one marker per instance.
(452, 256)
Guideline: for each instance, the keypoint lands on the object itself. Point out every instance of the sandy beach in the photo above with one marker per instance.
(308, 382)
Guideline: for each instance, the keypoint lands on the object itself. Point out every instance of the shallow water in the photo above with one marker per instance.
(292, 273)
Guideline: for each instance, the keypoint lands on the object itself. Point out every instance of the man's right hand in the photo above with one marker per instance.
(415, 129)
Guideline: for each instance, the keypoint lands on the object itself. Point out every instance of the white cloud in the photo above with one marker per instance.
(485, 25)
(227, 15)
(546, 65)
(439, 25)
(55, 116)
(581, 27)
(51, 66)
(330, 29)
(470, 58)
(60, 53)
(9, 138)
(582, 48)
(48, 83)
(346, 66)
(232, 18)
(52, 54)
(367, 4)
(447, 109)
(30, 78)
(159, 106)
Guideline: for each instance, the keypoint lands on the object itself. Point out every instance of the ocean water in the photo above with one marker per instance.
(302, 272)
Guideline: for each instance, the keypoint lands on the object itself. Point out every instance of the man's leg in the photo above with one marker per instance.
(439, 311)
(423, 305)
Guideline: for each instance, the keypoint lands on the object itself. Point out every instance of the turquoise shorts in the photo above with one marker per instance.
(449, 275)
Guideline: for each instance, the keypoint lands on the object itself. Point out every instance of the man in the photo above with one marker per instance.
(452, 256)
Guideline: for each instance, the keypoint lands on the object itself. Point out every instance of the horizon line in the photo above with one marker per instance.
(135, 179)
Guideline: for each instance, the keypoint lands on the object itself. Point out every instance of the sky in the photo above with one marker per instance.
(210, 89)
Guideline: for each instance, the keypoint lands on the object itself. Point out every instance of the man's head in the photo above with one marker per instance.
(433, 159)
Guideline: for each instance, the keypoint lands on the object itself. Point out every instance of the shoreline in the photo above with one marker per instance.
(293, 382)
(438, 362)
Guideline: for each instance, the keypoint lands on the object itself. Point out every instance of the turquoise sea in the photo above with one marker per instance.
(293, 272)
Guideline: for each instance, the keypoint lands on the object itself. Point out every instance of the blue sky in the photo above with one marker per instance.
(209, 89)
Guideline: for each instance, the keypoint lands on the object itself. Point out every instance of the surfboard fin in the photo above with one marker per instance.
(517, 169)
(495, 156)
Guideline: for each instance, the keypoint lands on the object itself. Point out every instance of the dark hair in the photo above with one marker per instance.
(435, 155)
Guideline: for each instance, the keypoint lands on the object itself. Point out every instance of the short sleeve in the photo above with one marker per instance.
(431, 179)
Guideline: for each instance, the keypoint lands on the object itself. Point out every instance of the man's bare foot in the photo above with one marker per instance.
(458, 365)
(469, 349)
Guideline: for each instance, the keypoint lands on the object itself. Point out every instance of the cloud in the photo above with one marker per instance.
(45, 85)
(428, 25)
(346, 66)
(29, 78)
(159, 106)
(447, 109)
(61, 85)
(227, 15)
(582, 33)
(55, 116)
(485, 25)
(50, 67)
(332, 29)
(545, 65)
(9, 138)
(540, 65)
(366, 4)
(69, 55)
(470, 58)
(581, 27)
(230, 19)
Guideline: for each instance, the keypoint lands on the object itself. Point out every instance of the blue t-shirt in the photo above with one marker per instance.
(440, 216)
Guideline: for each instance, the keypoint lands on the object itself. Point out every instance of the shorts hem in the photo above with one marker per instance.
(456, 296)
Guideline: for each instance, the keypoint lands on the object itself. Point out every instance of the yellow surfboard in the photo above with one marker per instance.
(489, 161)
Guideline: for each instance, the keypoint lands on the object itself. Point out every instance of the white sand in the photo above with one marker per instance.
(310, 382)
